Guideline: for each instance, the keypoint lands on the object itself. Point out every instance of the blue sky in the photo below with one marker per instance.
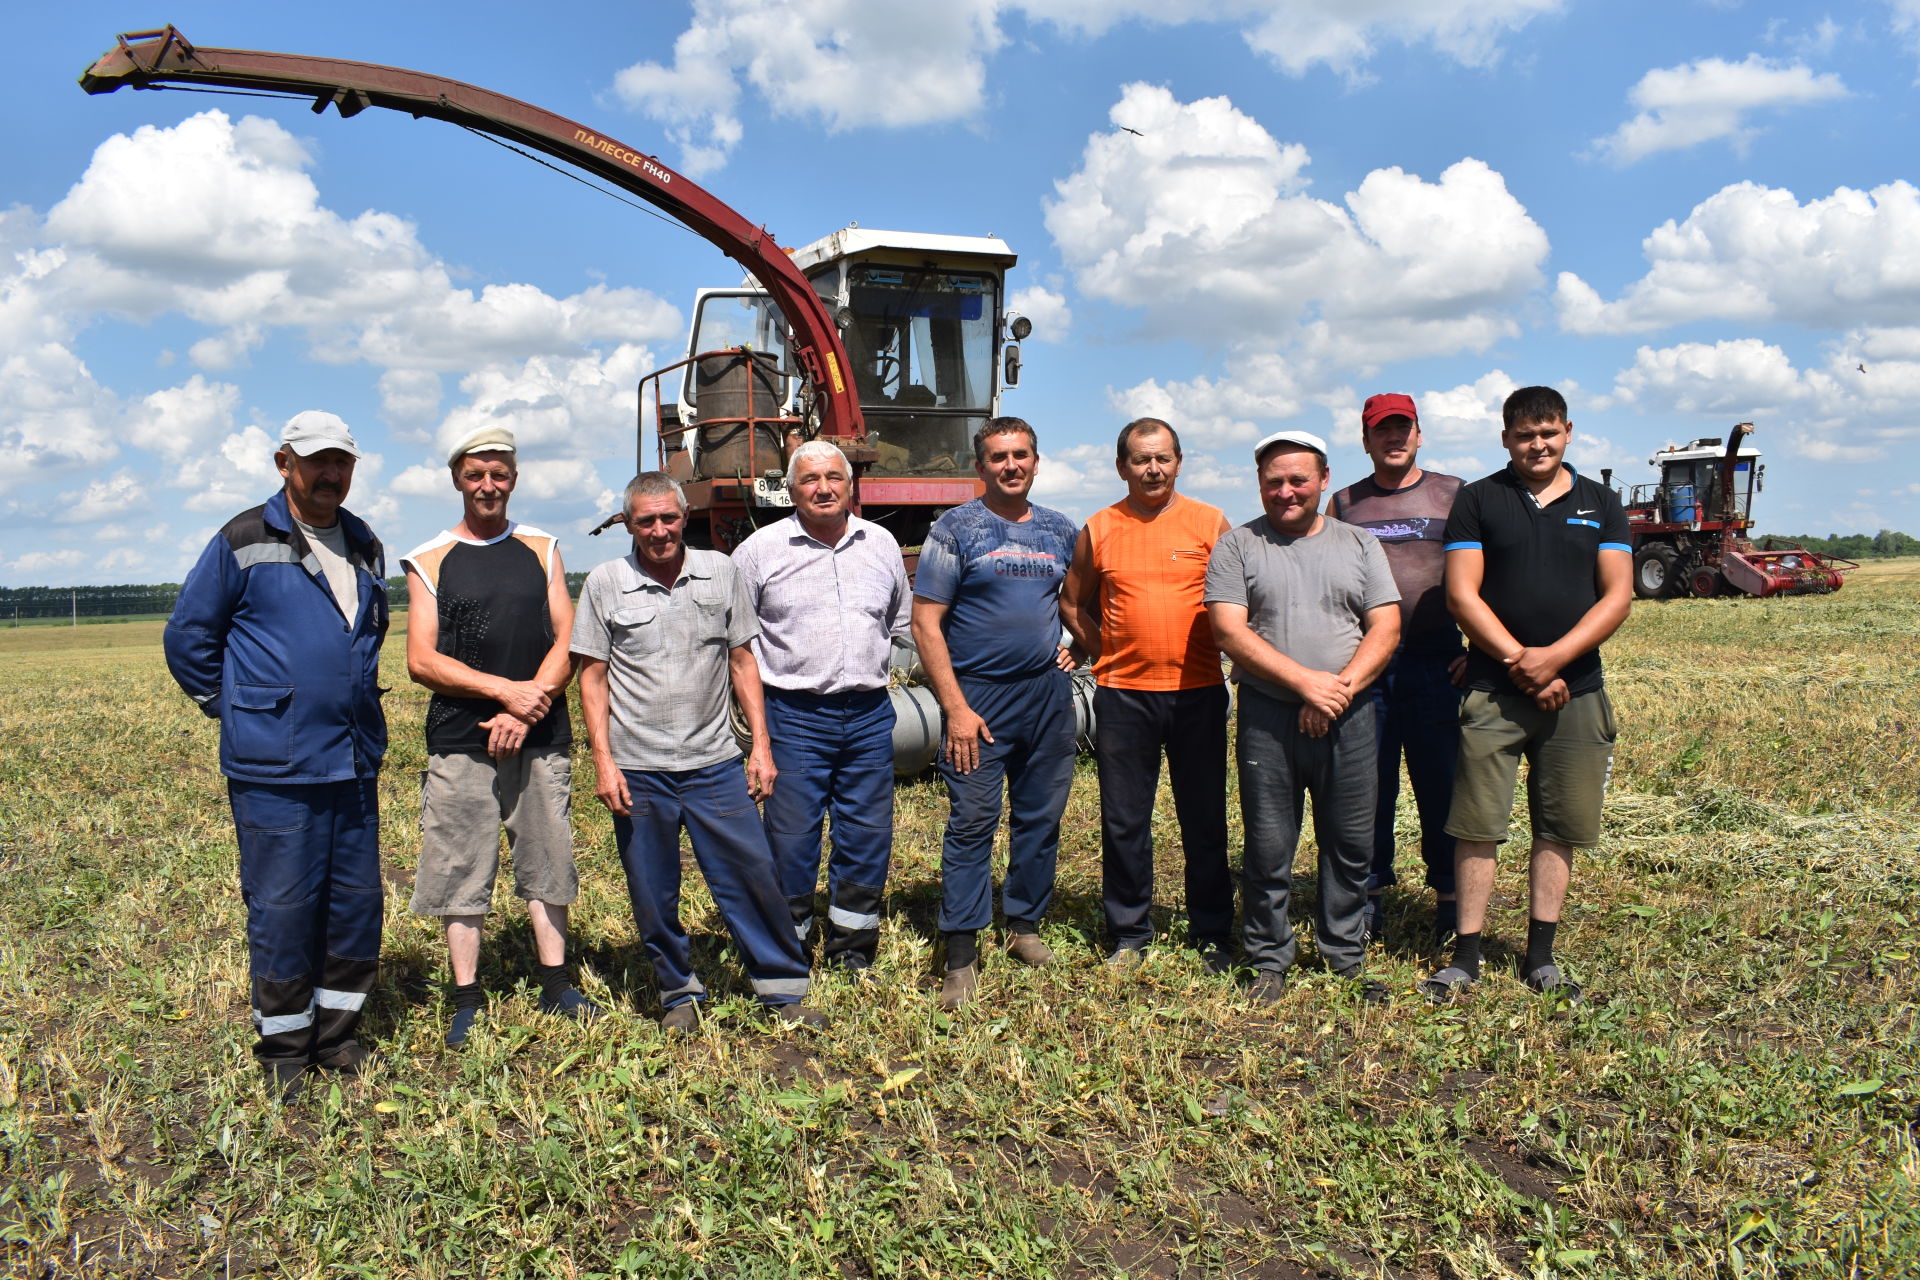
(1683, 214)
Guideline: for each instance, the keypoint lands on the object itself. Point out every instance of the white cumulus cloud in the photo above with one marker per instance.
(1708, 99)
(53, 414)
(107, 498)
(863, 63)
(1204, 224)
(1754, 253)
(1052, 317)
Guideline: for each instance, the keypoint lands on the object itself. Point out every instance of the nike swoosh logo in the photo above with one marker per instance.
(1589, 511)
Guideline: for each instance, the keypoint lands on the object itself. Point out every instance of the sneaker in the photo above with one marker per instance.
(571, 1004)
(1029, 950)
(801, 1015)
(958, 986)
(462, 1025)
(1126, 958)
(681, 1019)
(1268, 986)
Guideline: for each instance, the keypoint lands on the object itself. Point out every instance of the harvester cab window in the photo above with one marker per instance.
(921, 338)
(731, 318)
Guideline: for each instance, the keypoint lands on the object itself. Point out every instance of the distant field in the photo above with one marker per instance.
(1739, 1099)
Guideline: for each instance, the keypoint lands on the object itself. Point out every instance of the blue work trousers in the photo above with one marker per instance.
(834, 752)
(1279, 767)
(1032, 756)
(1416, 712)
(730, 847)
(310, 877)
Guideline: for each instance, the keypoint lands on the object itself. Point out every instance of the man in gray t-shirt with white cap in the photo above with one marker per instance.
(1307, 609)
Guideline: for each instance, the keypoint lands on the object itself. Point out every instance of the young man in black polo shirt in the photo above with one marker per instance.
(1539, 574)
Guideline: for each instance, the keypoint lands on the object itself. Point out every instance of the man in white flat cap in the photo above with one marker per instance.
(489, 619)
(1307, 609)
(277, 635)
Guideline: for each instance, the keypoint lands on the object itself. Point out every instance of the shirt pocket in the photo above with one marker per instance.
(635, 632)
(260, 724)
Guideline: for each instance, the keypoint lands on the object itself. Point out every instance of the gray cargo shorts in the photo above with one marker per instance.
(465, 799)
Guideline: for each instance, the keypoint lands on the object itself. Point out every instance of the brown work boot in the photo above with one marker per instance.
(958, 986)
(681, 1019)
(1028, 949)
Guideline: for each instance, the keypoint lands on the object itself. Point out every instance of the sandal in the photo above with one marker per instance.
(1547, 980)
(1447, 985)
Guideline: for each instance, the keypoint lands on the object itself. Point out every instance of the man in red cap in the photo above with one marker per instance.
(1416, 704)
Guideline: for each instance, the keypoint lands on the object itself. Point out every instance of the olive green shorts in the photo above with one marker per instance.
(465, 799)
(1569, 756)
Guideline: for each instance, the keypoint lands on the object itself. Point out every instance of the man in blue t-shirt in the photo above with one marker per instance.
(986, 617)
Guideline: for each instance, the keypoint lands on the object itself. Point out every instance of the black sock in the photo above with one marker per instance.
(1466, 954)
(552, 979)
(471, 996)
(1446, 917)
(1540, 944)
(1022, 926)
(962, 950)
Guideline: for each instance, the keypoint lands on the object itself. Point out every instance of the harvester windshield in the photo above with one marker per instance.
(921, 338)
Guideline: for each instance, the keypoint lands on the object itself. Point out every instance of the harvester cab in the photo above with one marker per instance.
(929, 349)
(1691, 528)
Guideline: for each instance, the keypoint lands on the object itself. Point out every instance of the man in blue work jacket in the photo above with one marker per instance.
(277, 635)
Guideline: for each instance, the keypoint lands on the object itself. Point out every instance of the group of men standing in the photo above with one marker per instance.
(1340, 626)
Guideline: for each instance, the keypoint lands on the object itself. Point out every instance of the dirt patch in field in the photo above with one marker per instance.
(1519, 1174)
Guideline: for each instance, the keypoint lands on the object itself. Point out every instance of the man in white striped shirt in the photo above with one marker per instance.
(830, 593)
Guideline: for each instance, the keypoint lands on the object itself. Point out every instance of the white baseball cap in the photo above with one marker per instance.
(312, 430)
(1304, 439)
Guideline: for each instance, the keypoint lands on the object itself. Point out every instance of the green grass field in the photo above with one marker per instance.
(1738, 1099)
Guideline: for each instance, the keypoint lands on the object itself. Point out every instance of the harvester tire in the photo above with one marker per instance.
(1706, 583)
(1653, 575)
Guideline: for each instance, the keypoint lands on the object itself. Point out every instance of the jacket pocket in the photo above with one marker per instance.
(260, 724)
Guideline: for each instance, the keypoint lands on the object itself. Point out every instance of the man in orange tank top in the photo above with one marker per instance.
(1133, 602)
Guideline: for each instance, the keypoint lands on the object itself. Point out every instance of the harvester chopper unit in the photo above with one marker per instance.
(928, 344)
(1691, 528)
(767, 367)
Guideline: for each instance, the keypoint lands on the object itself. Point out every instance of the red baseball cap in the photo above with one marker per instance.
(1391, 404)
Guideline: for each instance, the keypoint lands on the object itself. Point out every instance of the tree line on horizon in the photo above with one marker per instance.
(135, 599)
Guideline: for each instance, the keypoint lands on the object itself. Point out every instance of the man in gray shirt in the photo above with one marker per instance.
(661, 636)
(830, 593)
(1307, 610)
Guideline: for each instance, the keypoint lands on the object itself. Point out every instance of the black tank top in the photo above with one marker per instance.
(492, 599)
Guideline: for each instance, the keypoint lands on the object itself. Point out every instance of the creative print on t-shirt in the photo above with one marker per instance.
(1015, 561)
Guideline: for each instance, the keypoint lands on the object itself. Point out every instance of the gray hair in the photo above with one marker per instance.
(817, 449)
(652, 484)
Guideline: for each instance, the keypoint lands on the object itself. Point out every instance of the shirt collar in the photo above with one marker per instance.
(634, 578)
(798, 535)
